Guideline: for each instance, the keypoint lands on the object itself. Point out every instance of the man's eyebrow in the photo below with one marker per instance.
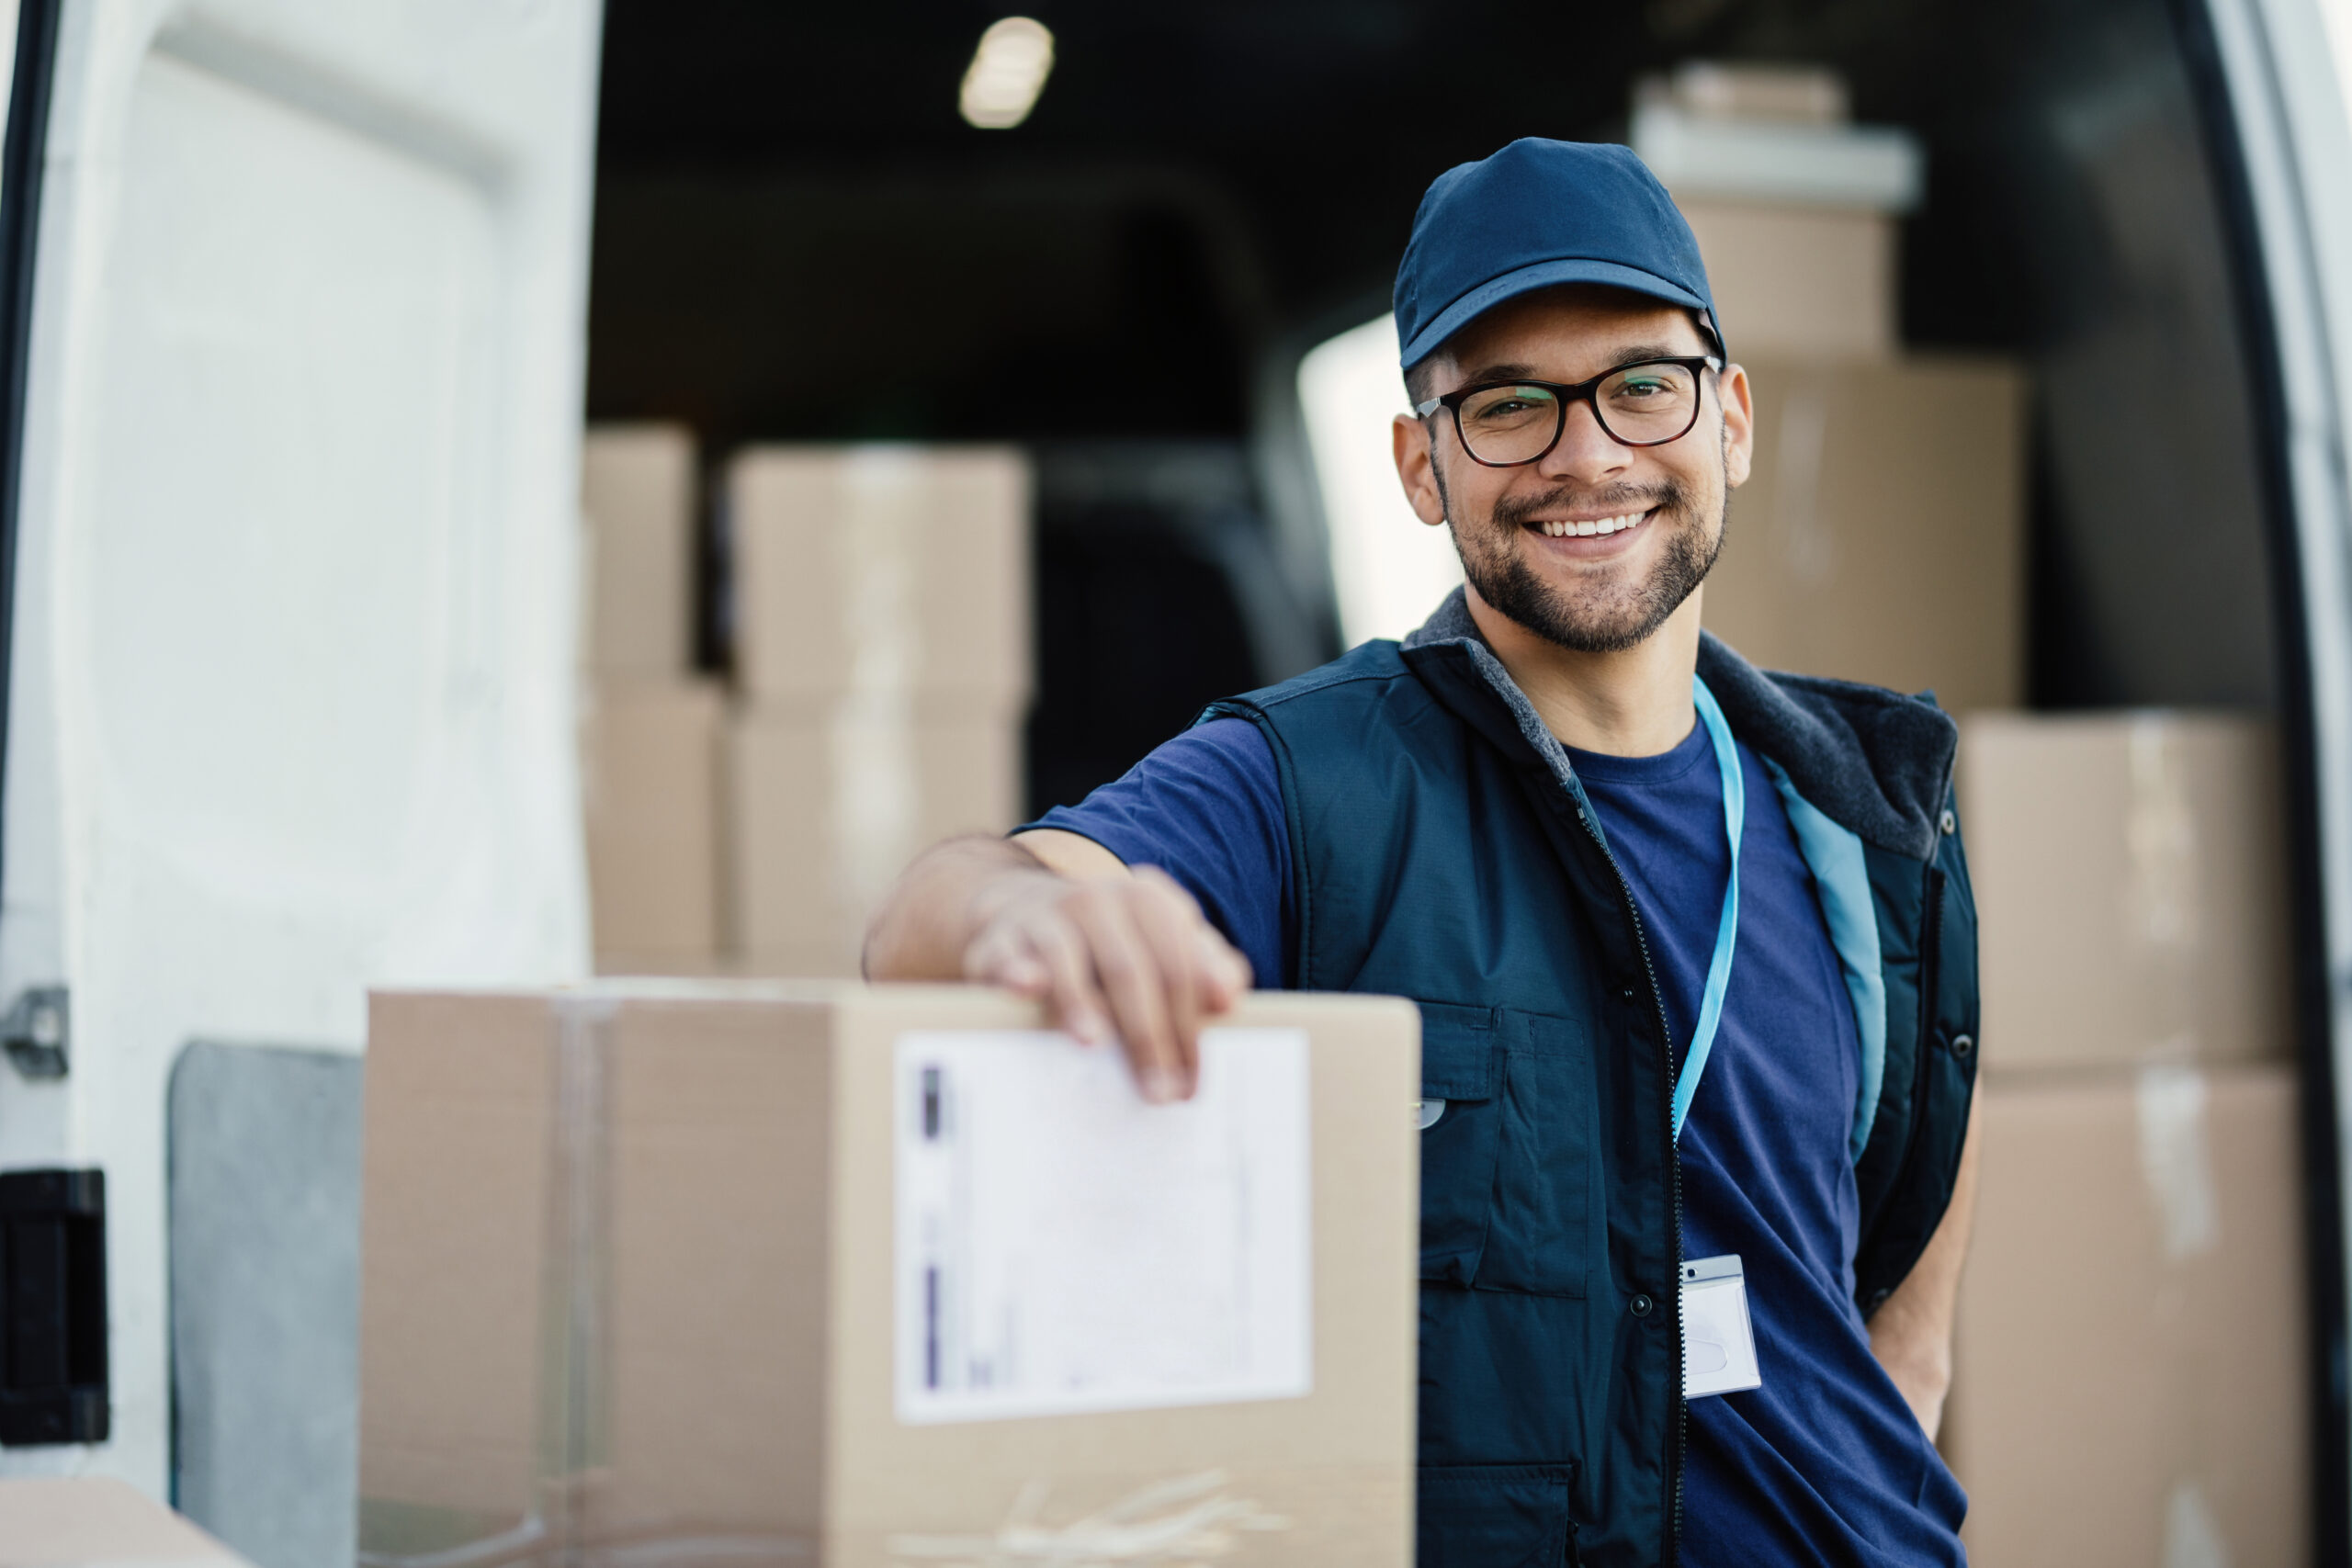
(1630, 353)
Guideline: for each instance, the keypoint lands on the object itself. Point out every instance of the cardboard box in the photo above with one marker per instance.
(1701, 154)
(651, 759)
(1791, 282)
(2130, 888)
(2130, 1381)
(634, 1277)
(1881, 535)
(90, 1522)
(1750, 90)
(881, 569)
(828, 805)
(637, 490)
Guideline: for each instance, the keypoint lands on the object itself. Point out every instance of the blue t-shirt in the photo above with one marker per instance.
(1825, 1463)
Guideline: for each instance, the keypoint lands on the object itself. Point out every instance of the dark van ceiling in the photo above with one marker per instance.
(1197, 184)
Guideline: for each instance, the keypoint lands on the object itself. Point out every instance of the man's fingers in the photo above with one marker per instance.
(1169, 920)
(1003, 956)
(1078, 1003)
(1124, 967)
(1226, 973)
(1219, 972)
(1134, 955)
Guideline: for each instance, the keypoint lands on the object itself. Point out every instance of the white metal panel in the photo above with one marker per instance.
(2282, 60)
(294, 644)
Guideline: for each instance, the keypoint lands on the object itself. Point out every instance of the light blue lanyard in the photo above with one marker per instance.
(1710, 1006)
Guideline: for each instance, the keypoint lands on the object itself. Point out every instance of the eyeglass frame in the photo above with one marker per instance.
(1569, 396)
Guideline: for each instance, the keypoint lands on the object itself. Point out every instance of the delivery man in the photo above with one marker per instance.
(1694, 945)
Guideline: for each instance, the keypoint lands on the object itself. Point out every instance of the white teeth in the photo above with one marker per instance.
(1592, 530)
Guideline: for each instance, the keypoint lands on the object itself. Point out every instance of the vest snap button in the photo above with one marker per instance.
(1641, 1305)
(1961, 1044)
(1949, 823)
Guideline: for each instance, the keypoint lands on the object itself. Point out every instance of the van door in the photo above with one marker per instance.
(2281, 72)
(290, 704)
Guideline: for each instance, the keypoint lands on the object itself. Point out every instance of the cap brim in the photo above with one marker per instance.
(1540, 274)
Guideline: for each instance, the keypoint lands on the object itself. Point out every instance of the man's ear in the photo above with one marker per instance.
(1739, 424)
(1415, 467)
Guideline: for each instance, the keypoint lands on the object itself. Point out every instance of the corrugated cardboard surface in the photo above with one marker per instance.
(826, 804)
(650, 755)
(1336, 1466)
(735, 1389)
(2130, 879)
(457, 1210)
(637, 489)
(93, 1522)
(1799, 282)
(2130, 1383)
(1880, 535)
(721, 1139)
(881, 569)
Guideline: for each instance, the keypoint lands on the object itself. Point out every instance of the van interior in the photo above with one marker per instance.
(798, 239)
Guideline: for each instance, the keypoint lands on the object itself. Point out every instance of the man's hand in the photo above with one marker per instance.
(1911, 1331)
(1056, 916)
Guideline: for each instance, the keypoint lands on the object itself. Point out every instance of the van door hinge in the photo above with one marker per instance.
(35, 1032)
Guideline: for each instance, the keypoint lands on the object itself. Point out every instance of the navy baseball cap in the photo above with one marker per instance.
(1535, 214)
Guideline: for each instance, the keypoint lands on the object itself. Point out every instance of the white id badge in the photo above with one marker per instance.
(1718, 1341)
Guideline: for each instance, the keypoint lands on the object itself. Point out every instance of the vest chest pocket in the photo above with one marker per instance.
(1507, 1185)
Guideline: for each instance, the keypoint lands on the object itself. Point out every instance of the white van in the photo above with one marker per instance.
(298, 325)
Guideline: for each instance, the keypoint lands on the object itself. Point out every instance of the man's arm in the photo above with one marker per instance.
(1055, 915)
(1911, 1331)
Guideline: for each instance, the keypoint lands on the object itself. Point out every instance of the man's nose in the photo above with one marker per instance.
(1585, 454)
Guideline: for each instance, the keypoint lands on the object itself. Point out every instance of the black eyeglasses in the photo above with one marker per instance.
(1505, 423)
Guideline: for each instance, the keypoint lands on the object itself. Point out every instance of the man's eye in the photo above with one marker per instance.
(1514, 404)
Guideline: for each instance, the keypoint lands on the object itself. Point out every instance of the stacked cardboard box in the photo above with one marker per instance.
(1794, 206)
(2130, 1370)
(882, 667)
(2131, 873)
(1880, 536)
(651, 727)
(652, 1270)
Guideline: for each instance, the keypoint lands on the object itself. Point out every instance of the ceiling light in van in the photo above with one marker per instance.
(1007, 72)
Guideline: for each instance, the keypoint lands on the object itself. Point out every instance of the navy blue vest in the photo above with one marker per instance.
(1443, 851)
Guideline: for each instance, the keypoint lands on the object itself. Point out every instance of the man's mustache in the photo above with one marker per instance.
(1612, 500)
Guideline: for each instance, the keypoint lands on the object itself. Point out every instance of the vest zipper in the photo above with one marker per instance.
(1673, 1285)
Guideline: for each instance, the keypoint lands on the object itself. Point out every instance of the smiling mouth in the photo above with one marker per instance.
(1592, 528)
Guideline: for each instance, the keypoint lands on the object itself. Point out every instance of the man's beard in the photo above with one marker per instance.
(1613, 617)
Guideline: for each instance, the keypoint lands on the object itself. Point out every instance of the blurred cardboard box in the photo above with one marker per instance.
(651, 760)
(1793, 282)
(828, 802)
(881, 568)
(92, 1522)
(637, 489)
(1749, 90)
(2132, 1383)
(1880, 535)
(2130, 876)
(1796, 210)
(779, 1273)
